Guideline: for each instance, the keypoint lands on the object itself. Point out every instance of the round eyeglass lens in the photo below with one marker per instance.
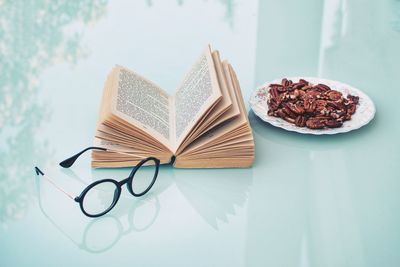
(144, 177)
(100, 198)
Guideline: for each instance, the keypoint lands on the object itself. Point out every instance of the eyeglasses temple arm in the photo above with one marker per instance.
(39, 172)
(47, 215)
(71, 160)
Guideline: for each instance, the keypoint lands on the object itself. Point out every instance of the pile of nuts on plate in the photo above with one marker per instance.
(307, 105)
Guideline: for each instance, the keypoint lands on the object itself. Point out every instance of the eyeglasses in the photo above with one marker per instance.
(99, 197)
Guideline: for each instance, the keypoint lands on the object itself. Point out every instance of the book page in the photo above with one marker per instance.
(198, 92)
(222, 132)
(224, 110)
(143, 104)
(230, 144)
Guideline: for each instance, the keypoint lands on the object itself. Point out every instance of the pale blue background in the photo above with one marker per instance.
(307, 201)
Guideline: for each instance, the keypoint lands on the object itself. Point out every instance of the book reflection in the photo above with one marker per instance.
(215, 194)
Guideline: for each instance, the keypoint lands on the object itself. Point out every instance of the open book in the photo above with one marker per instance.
(203, 125)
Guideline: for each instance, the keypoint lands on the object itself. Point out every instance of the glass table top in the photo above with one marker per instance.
(307, 201)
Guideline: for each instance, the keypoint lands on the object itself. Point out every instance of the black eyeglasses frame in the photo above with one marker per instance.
(128, 181)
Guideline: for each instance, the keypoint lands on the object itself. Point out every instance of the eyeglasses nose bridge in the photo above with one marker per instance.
(124, 181)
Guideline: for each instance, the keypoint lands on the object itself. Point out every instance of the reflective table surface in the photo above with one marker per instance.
(307, 201)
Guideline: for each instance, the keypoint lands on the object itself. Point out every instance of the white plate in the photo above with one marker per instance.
(365, 111)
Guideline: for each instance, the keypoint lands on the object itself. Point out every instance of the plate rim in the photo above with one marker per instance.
(293, 128)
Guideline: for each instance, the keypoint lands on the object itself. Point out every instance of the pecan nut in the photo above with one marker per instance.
(307, 105)
(334, 95)
(300, 121)
(315, 123)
